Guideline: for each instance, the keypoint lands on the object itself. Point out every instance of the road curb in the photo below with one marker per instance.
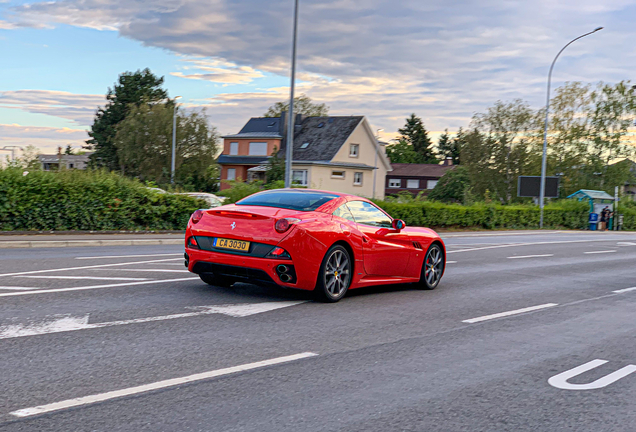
(82, 243)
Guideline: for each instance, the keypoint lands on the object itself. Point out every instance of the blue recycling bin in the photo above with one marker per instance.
(593, 221)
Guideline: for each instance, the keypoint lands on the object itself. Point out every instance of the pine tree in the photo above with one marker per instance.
(450, 148)
(416, 135)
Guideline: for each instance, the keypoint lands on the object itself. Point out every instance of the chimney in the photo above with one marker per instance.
(448, 161)
(300, 118)
(282, 126)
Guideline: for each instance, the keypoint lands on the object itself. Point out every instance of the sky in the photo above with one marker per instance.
(443, 61)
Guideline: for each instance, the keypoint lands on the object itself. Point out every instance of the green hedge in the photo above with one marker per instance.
(564, 214)
(87, 200)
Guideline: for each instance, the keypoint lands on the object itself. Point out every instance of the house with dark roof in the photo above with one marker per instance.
(415, 178)
(338, 153)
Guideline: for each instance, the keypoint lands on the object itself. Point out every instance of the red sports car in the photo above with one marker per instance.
(312, 240)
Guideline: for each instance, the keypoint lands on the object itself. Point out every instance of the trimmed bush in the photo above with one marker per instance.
(87, 200)
(563, 214)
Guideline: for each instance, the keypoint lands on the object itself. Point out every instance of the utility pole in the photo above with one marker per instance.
(174, 139)
(289, 153)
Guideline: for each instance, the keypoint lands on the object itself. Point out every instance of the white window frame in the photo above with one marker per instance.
(395, 183)
(354, 150)
(357, 181)
(304, 175)
(234, 147)
(338, 176)
(408, 184)
(231, 174)
(253, 153)
(430, 184)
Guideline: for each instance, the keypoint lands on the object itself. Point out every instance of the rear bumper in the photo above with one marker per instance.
(242, 268)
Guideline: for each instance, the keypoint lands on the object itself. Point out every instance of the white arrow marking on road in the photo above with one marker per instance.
(66, 323)
(86, 400)
(561, 380)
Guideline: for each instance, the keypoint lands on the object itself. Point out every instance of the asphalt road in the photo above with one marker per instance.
(124, 339)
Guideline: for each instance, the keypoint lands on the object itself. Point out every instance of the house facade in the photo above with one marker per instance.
(415, 178)
(334, 153)
(52, 162)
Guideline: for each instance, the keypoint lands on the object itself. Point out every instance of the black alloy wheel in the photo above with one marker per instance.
(335, 275)
(433, 268)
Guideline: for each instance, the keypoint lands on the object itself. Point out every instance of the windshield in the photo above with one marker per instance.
(288, 199)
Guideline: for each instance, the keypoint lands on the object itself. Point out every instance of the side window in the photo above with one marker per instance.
(344, 213)
(367, 214)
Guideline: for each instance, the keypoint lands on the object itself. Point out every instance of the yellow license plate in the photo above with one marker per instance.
(237, 245)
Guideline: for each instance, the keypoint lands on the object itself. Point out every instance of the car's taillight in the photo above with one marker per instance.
(196, 216)
(192, 243)
(278, 252)
(284, 224)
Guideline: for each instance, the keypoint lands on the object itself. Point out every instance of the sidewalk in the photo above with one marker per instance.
(78, 240)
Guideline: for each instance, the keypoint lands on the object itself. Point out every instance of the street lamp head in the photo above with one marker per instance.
(597, 29)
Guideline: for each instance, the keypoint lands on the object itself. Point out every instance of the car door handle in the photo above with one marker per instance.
(365, 239)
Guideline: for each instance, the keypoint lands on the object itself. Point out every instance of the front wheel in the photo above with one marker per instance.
(433, 268)
(335, 275)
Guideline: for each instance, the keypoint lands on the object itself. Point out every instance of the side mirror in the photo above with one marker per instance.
(398, 224)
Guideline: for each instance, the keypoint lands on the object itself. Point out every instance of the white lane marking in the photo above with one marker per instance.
(17, 288)
(620, 291)
(561, 380)
(511, 234)
(625, 244)
(530, 256)
(67, 323)
(599, 252)
(451, 262)
(86, 400)
(83, 277)
(525, 244)
(91, 287)
(505, 314)
(127, 256)
(150, 270)
(88, 267)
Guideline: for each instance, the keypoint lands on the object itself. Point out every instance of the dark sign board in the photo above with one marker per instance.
(530, 186)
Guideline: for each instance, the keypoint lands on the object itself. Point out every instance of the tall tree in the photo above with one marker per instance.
(448, 147)
(130, 90)
(302, 105)
(275, 168)
(416, 135)
(144, 145)
(403, 152)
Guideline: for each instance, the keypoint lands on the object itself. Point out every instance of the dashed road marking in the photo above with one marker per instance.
(624, 290)
(530, 256)
(87, 400)
(92, 287)
(509, 313)
(599, 252)
(150, 270)
(127, 256)
(89, 267)
(83, 277)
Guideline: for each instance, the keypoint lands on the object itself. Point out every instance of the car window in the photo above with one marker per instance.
(288, 199)
(367, 214)
(344, 213)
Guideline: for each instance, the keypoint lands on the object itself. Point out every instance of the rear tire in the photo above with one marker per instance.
(218, 281)
(335, 275)
(432, 268)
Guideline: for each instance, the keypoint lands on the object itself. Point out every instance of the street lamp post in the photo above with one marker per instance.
(375, 164)
(290, 121)
(174, 139)
(545, 129)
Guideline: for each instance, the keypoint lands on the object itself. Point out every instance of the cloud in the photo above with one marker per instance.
(47, 139)
(381, 58)
(76, 107)
(218, 71)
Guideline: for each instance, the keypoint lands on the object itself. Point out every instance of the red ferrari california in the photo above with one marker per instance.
(312, 240)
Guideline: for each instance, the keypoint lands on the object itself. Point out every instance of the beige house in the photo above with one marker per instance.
(337, 153)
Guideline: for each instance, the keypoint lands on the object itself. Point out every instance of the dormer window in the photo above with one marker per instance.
(354, 150)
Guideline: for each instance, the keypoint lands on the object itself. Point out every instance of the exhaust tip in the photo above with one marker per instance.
(282, 268)
(285, 277)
